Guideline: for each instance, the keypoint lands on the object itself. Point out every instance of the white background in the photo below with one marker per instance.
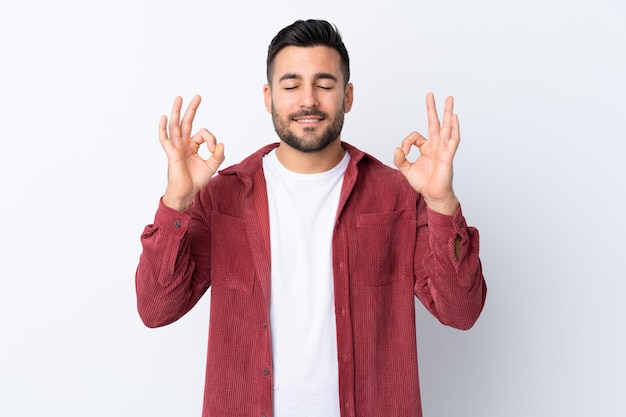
(539, 88)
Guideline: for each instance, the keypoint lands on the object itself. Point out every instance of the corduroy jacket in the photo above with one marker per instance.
(388, 247)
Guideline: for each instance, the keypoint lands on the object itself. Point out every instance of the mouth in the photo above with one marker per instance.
(308, 119)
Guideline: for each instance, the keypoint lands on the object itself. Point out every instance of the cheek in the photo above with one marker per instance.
(283, 105)
(336, 103)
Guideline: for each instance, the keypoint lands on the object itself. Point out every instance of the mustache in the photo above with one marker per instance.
(309, 113)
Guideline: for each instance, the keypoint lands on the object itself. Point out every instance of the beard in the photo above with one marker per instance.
(310, 141)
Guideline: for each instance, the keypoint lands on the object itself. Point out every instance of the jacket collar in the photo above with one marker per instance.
(251, 164)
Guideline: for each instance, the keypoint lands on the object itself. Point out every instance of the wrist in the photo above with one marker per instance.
(447, 206)
(180, 204)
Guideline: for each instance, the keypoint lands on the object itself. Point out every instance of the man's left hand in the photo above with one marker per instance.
(431, 173)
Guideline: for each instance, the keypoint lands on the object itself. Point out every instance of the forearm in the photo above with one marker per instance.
(450, 282)
(167, 282)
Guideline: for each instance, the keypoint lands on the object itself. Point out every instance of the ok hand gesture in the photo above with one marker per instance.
(431, 173)
(188, 172)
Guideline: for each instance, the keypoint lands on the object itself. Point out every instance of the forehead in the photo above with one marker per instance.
(307, 61)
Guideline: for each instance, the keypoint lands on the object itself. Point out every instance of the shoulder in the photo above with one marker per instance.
(250, 165)
(371, 170)
(231, 184)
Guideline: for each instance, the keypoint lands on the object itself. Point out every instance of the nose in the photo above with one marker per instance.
(308, 97)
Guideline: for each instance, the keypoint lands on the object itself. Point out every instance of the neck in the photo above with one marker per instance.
(310, 162)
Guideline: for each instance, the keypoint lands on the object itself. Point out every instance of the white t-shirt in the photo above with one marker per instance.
(302, 211)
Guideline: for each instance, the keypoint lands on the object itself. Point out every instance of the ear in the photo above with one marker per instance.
(267, 95)
(349, 96)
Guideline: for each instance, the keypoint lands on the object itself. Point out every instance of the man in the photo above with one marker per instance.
(314, 250)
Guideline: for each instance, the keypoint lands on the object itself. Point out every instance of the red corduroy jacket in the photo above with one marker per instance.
(387, 248)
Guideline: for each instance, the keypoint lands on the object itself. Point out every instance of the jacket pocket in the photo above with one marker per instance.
(231, 258)
(384, 246)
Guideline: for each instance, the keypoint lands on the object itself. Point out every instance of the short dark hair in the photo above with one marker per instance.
(309, 33)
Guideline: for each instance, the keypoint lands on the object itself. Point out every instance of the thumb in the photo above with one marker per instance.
(217, 157)
(400, 161)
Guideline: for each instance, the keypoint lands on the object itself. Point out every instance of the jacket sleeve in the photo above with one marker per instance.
(174, 269)
(452, 289)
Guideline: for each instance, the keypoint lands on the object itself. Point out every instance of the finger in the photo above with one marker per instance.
(175, 118)
(455, 131)
(187, 122)
(163, 137)
(446, 126)
(216, 149)
(203, 136)
(413, 139)
(433, 118)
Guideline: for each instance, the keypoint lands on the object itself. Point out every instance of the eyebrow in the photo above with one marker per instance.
(318, 76)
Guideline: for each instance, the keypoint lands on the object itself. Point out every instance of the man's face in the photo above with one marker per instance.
(307, 97)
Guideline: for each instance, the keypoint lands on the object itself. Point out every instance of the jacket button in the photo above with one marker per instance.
(266, 372)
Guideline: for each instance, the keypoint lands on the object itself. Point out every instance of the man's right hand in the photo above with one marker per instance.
(187, 171)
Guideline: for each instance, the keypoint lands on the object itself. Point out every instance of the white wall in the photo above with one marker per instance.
(539, 89)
